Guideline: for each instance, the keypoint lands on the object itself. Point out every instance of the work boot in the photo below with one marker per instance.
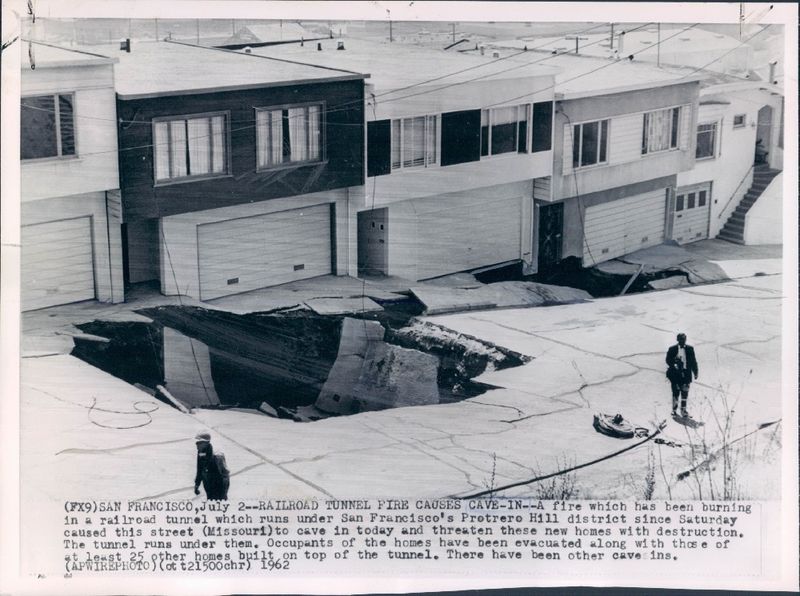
(684, 413)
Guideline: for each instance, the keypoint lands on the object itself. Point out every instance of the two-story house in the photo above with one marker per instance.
(234, 168)
(623, 131)
(68, 175)
(454, 143)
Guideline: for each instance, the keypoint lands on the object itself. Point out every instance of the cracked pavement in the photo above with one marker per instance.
(83, 437)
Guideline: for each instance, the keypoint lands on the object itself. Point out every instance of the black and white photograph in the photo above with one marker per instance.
(367, 291)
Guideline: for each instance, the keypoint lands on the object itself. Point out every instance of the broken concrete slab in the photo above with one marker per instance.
(504, 294)
(369, 374)
(342, 306)
(662, 256)
(668, 283)
(702, 271)
(39, 345)
(617, 267)
(125, 316)
(740, 268)
(464, 281)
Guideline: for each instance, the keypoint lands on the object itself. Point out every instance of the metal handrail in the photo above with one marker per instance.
(733, 194)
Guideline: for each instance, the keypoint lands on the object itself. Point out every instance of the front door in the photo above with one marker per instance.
(373, 242)
(551, 234)
(691, 214)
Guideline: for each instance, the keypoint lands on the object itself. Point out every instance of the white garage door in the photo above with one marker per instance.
(57, 265)
(620, 227)
(248, 253)
(456, 235)
(692, 211)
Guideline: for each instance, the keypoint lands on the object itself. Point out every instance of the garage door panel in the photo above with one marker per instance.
(264, 250)
(57, 264)
(623, 226)
(691, 224)
(457, 236)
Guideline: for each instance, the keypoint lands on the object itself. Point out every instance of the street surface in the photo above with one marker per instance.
(87, 434)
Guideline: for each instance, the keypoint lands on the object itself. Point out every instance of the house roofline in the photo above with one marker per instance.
(101, 59)
(200, 91)
(566, 95)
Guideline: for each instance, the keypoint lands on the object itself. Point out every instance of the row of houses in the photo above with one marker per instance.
(210, 171)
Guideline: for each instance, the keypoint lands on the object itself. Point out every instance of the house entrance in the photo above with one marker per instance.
(373, 242)
(551, 234)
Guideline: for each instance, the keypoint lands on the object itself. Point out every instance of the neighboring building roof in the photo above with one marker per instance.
(278, 31)
(47, 55)
(583, 76)
(395, 65)
(174, 68)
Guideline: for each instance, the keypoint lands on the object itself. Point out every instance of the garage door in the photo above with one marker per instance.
(238, 255)
(57, 265)
(620, 227)
(692, 212)
(456, 235)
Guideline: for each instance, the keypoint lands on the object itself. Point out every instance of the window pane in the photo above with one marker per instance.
(522, 128)
(414, 141)
(298, 133)
(657, 131)
(262, 138)
(484, 133)
(199, 146)
(679, 203)
(542, 126)
(177, 133)
(396, 140)
(701, 198)
(432, 140)
(690, 201)
(161, 149)
(576, 145)
(504, 130)
(706, 138)
(38, 128)
(219, 161)
(589, 143)
(314, 132)
(276, 136)
(65, 115)
(603, 140)
(676, 127)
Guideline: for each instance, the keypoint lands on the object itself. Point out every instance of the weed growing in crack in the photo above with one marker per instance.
(562, 487)
(650, 477)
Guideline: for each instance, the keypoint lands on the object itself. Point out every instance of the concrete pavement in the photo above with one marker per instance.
(86, 434)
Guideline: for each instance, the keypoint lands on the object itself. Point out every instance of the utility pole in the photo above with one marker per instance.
(612, 36)
(198, 31)
(741, 19)
(577, 40)
(454, 33)
(389, 13)
(156, 29)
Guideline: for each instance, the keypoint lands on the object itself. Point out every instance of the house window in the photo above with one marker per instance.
(679, 203)
(660, 131)
(589, 143)
(190, 147)
(289, 135)
(706, 141)
(504, 130)
(739, 120)
(415, 142)
(47, 126)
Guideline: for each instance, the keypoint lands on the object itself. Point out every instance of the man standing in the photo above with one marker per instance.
(212, 470)
(681, 365)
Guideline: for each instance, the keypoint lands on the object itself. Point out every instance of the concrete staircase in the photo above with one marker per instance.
(733, 230)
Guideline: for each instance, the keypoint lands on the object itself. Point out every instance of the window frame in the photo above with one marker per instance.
(436, 162)
(528, 126)
(57, 118)
(192, 177)
(743, 122)
(716, 130)
(323, 156)
(598, 163)
(672, 131)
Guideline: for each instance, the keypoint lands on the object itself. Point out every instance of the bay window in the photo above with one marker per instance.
(414, 142)
(504, 130)
(589, 143)
(288, 135)
(188, 147)
(661, 130)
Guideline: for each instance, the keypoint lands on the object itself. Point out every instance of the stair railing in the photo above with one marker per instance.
(733, 194)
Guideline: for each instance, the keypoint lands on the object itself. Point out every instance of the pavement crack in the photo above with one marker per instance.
(540, 414)
(121, 448)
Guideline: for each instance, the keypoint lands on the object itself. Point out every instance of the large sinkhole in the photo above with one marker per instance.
(296, 364)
